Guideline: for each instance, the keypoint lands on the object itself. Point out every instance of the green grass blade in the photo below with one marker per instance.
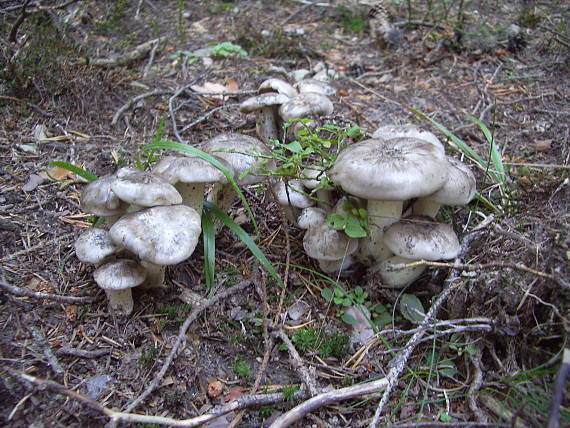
(75, 169)
(209, 240)
(171, 145)
(246, 239)
(496, 157)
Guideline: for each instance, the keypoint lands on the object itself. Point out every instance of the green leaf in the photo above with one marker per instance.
(353, 131)
(447, 368)
(353, 228)
(411, 308)
(246, 239)
(294, 147)
(327, 294)
(336, 221)
(75, 169)
(348, 319)
(209, 240)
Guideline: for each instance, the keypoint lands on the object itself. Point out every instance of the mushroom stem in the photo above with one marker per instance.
(192, 195)
(425, 206)
(154, 275)
(266, 125)
(381, 214)
(121, 301)
(394, 277)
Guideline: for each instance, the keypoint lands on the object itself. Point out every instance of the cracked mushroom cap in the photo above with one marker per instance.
(420, 237)
(163, 235)
(94, 245)
(318, 86)
(277, 85)
(175, 169)
(143, 188)
(119, 275)
(97, 198)
(306, 105)
(389, 132)
(311, 217)
(322, 242)
(459, 188)
(261, 101)
(393, 170)
(248, 156)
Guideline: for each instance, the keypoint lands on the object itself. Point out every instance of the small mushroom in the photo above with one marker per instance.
(421, 238)
(386, 173)
(97, 198)
(392, 277)
(332, 248)
(143, 189)
(267, 121)
(318, 86)
(306, 106)
(94, 246)
(277, 85)
(117, 278)
(291, 196)
(459, 189)
(311, 217)
(159, 236)
(189, 176)
(248, 156)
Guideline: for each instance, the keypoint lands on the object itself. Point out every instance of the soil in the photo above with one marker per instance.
(508, 67)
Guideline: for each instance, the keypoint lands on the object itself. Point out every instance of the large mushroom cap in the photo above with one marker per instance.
(325, 243)
(143, 188)
(459, 188)
(422, 238)
(247, 155)
(97, 198)
(163, 235)
(306, 105)
(119, 275)
(389, 132)
(94, 245)
(393, 170)
(176, 169)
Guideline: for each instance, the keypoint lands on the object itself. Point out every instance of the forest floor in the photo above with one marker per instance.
(494, 342)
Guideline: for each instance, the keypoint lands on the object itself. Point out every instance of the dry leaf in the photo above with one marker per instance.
(231, 85)
(543, 145)
(58, 173)
(71, 312)
(207, 87)
(215, 389)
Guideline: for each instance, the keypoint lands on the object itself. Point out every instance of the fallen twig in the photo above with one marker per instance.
(22, 292)
(181, 337)
(115, 417)
(476, 386)
(558, 391)
(81, 353)
(139, 52)
(327, 398)
(44, 345)
(136, 99)
(297, 362)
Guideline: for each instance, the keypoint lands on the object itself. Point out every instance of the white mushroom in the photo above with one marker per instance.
(305, 106)
(386, 173)
(459, 189)
(332, 248)
(94, 246)
(267, 121)
(117, 278)
(97, 198)
(159, 236)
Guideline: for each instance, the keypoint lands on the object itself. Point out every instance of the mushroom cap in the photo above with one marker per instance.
(306, 105)
(143, 188)
(311, 217)
(267, 99)
(420, 237)
(97, 198)
(311, 177)
(246, 155)
(93, 245)
(389, 132)
(277, 85)
(325, 243)
(163, 235)
(393, 170)
(119, 275)
(291, 193)
(318, 86)
(459, 188)
(193, 169)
